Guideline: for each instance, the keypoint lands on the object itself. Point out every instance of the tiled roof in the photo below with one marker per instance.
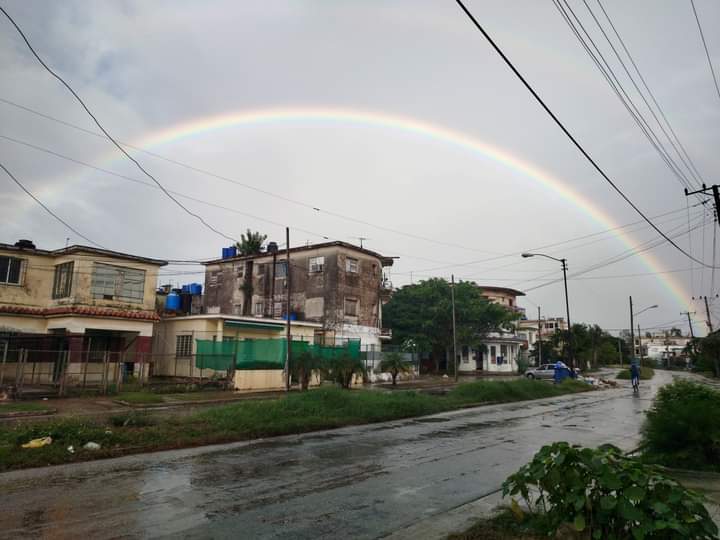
(84, 311)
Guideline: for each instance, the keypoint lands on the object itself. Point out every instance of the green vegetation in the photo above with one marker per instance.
(504, 526)
(646, 373)
(683, 427)
(140, 397)
(421, 316)
(394, 364)
(250, 243)
(603, 494)
(299, 412)
(14, 407)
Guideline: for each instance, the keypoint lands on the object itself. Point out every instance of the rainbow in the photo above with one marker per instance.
(412, 126)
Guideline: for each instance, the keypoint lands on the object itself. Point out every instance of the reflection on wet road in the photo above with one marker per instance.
(360, 482)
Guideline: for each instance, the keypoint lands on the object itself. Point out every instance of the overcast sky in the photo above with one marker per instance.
(145, 67)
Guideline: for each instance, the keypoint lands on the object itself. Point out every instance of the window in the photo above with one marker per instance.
(351, 265)
(258, 309)
(118, 283)
(183, 346)
(278, 310)
(351, 307)
(465, 354)
(510, 301)
(10, 270)
(281, 269)
(493, 357)
(316, 264)
(63, 280)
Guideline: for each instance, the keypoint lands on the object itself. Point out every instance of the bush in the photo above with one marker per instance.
(683, 427)
(607, 495)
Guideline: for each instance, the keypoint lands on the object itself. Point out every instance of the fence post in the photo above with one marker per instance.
(4, 360)
(63, 373)
(19, 382)
(121, 373)
(105, 372)
(85, 364)
(175, 370)
(202, 364)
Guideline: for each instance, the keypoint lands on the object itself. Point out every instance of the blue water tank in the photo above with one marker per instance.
(195, 289)
(185, 289)
(232, 251)
(173, 302)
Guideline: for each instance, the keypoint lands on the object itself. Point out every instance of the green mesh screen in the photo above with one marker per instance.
(263, 353)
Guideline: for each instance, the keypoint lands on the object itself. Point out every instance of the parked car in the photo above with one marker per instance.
(545, 371)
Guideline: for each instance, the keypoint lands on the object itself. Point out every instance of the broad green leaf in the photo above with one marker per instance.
(608, 503)
(661, 508)
(634, 493)
(579, 522)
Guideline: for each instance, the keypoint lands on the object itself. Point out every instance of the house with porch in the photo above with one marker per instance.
(78, 313)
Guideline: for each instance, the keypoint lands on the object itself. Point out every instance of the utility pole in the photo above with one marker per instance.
(632, 334)
(707, 311)
(715, 194)
(452, 297)
(539, 339)
(688, 313)
(567, 312)
(620, 350)
(288, 336)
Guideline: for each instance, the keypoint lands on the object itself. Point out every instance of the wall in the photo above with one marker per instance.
(259, 379)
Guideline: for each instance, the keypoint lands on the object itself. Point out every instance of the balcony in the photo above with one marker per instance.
(386, 334)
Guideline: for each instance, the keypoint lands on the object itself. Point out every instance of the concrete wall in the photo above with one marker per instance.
(259, 379)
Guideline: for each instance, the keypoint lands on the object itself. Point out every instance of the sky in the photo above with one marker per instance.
(395, 119)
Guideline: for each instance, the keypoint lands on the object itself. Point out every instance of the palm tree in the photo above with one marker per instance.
(302, 365)
(395, 364)
(343, 369)
(251, 243)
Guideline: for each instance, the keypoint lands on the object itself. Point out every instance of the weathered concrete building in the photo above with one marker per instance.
(336, 284)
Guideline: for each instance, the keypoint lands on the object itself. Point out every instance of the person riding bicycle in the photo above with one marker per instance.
(635, 375)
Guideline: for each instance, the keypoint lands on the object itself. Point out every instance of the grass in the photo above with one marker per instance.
(140, 397)
(22, 407)
(646, 373)
(322, 408)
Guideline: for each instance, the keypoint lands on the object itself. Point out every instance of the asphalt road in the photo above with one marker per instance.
(359, 482)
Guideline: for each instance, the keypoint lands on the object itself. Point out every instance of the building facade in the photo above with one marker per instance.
(336, 284)
(73, 305)
(501, 350)
(532, 330)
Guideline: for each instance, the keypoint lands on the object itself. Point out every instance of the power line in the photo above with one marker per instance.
(612, 79)
(691, 167)
(707, 53)
(571, 137)
(99, 125)
(53, 214)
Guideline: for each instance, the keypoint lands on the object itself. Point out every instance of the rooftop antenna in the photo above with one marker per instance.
(361, 238)
(67, 241)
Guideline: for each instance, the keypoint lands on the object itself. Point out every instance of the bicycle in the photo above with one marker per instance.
(636, 385)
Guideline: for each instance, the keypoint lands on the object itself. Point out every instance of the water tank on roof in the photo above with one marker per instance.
(272, 247)
(229, 252)
(173, 301)
(25, 244)
(185, 289)
(195, 289)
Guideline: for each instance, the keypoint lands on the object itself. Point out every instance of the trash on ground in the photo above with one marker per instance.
(91, 446)
(71, 449)
(38, 443)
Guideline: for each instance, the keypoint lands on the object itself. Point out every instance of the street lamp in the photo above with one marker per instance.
(563, 262)
(639, 333)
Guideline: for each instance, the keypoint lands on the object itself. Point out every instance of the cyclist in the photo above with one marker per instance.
(635, 376)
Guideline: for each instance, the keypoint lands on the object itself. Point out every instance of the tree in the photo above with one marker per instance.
(705, 353)
(422, 313)
(395, 364)
(302, 366)
(251, 243)
(342, 370)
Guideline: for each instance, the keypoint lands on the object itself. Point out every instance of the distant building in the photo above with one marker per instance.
(73, 305)
(500, 350)
(530, 331)
(336, 284)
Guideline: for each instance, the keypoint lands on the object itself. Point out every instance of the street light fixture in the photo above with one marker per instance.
(563, 262)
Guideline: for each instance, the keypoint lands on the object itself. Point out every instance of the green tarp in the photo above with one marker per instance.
(263, 353)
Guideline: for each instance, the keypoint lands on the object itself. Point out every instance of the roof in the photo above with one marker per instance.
(241, 320)
(506, 290)
(82, 311)
(82, 249)
(386, 261)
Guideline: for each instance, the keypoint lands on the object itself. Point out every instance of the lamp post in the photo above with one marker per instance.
(563, 262)
(639, 334)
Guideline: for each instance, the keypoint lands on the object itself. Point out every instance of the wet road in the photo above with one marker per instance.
(359, 482)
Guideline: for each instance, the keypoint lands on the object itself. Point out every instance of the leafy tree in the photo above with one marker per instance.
(302, 365)
(705, 353)
(395, 364)
(422, 312)
(251, 243)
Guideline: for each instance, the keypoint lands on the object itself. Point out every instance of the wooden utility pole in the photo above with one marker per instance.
(287, 310)
(632, 333)
(539, 339)
(452, 297)
(707, 311)
(688, 313)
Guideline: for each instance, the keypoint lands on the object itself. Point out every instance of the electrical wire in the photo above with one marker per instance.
(53, 214)
(105, 132)
(571, 137)
(707, 53)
